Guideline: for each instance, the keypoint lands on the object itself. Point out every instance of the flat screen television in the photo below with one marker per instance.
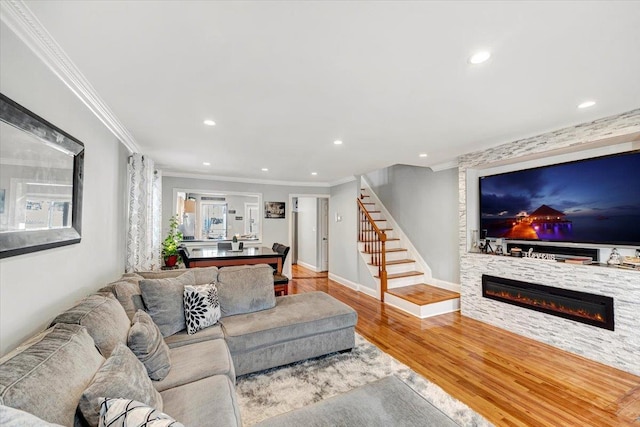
(594, 201)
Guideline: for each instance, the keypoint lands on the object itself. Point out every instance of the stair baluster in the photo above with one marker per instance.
(374, 241)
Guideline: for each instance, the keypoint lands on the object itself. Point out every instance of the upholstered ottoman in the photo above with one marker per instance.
(297, 328)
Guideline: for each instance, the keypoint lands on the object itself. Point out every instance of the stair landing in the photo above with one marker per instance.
(423, 294)
(423, 300)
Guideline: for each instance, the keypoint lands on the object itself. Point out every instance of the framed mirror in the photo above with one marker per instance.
(213, 216)
(41, 169)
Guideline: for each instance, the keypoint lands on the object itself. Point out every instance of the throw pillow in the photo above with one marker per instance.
(129, 413)
(122, 375)
(201, 307)
(146, 342)
(164, 301)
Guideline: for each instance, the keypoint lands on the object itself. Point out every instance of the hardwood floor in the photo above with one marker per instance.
(509, 379)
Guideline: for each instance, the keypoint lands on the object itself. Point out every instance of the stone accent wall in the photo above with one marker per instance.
(619, 348)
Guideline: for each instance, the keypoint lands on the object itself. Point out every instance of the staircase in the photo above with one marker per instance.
(401, 281)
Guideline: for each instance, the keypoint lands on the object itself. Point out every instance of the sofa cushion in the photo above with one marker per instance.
(164, 301)
(201, 275)
(295, 316)
(103, 316)
(183, 338)
(60, 361)
(122, 376)
(201, 307)
(196, 361)
(146, 342)
(12, 417)
(129, 296)
(210, 401)
(245, 289)
(129, 413)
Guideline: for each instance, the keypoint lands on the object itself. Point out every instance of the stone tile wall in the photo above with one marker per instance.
(619, 348)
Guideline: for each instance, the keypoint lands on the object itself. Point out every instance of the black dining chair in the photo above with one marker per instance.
(279, 278)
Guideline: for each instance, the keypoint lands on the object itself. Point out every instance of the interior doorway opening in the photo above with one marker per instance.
(309, 233)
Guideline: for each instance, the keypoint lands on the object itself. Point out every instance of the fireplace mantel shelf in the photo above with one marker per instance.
(539, 260)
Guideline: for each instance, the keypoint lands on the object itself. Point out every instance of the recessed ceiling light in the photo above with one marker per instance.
(209, 122)
(206, 163)
(587, 104)
(314, 173)
(265, 169)
(337, 142)
(479, 57)
(423, 154)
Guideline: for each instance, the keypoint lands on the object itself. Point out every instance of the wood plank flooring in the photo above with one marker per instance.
(509, 379)
(423, 294)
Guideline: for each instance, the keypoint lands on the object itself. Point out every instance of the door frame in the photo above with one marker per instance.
(286, 268)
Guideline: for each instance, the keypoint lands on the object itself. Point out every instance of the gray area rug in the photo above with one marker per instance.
(279, 390)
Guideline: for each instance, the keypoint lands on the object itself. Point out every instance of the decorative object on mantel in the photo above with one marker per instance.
(474, 241)
(614, 257)
(171, 242)
(516, 252)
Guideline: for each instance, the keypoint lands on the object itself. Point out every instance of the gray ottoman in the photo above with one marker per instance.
(297, 328)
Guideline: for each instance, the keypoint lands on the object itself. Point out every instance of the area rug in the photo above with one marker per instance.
(279, 390)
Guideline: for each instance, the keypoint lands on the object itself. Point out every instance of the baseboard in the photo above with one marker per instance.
(453, 287)
(308, 266)
(353, 285)
(343, 281)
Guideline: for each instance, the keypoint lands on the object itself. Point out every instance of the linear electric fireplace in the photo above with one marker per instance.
(596, 310)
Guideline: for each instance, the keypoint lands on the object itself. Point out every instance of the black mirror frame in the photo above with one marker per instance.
(14, 243)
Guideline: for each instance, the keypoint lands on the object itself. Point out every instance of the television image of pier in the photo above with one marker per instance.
(591, 201)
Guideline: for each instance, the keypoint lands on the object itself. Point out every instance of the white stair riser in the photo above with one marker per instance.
(423, 311)
(405, 281)
(394, 269)
(392, 244)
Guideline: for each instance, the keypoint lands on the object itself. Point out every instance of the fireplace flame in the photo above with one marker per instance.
(549, 305)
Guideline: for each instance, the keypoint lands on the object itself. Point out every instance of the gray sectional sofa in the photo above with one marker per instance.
(60, 374)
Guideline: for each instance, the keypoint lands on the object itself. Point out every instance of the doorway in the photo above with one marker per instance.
(309, 234)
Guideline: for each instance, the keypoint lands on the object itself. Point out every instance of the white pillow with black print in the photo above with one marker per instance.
(130, 413)
(201, 307)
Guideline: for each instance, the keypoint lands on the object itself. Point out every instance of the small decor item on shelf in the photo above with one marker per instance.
(474, 242)
(171, 242)
(516, 252)
(614, 258)
(499, 247)
(235, 245)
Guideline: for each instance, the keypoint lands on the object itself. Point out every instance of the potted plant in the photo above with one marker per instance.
(235, 246)
(171, 242)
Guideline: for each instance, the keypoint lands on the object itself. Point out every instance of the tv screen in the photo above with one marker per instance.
(588, 201)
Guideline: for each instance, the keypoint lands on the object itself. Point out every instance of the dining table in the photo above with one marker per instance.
(208, 256)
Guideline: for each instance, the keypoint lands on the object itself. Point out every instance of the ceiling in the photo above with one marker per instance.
(283, 80)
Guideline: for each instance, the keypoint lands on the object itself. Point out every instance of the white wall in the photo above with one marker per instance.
(425, 205)
(35, 287)
(307, 232)
(343, 234)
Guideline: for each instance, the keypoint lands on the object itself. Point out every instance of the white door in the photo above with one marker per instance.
(323, 234)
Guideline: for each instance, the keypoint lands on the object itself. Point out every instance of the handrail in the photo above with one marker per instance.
(374, 241)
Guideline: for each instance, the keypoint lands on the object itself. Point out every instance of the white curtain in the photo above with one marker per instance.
(145, 212)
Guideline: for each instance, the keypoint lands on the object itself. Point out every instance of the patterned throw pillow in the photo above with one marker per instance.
(130, 413)
(201, 307)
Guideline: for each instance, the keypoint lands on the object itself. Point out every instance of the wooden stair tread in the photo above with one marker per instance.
(389, 239)
(368, 203)
(401, 275)
(365, 220)
(373, 211)
(388, 250)
(397, 261)
(423, 294)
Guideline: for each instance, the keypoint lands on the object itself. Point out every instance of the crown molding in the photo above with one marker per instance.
(19, 18)
(175, 174)
(342, 181)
